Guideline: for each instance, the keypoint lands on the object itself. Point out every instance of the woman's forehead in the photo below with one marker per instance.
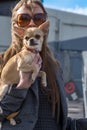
(31, 7)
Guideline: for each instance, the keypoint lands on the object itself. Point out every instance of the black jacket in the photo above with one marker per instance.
(29, 103)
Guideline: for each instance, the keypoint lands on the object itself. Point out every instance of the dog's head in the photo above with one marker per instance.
(34, 36)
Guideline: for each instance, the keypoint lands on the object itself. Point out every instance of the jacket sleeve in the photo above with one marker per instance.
(12, 101)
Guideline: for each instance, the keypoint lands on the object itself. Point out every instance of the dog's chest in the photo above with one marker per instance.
(28, 56)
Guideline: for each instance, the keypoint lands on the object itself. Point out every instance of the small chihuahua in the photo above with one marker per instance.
(18, 67)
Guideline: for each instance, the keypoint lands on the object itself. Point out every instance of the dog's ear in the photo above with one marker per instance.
(19, 31)
(45, 27)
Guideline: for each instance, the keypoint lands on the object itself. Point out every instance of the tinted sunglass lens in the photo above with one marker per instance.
(39, 19)
(23, 20)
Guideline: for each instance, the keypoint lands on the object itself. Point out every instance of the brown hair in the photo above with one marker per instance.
(49, 62)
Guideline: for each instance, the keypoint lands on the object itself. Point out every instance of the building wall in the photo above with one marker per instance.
(66, 26)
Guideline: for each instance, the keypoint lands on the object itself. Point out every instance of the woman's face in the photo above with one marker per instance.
(30, 16)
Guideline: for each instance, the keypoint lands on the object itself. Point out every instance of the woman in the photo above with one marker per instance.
(40, 108)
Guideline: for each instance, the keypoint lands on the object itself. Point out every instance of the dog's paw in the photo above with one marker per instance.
(1, 111)
(0, 125)
(12, 122)
(44, 84)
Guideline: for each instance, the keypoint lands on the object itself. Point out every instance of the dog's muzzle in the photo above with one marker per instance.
(32, 42)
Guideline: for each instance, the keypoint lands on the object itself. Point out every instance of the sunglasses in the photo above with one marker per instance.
(24, 20)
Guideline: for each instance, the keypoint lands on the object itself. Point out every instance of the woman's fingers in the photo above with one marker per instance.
(37, 59)
(37, 62)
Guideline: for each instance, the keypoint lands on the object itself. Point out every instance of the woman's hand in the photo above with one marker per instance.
(26, 78)
(37, 62)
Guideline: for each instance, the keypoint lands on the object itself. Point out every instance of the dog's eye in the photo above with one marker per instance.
(27, 38)
(37, 37)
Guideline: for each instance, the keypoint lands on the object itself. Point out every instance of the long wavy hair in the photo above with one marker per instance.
(49, 62)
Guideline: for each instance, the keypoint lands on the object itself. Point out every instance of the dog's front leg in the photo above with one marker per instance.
(1, 115)
(3, 90)
(42, 74)
(34, 73)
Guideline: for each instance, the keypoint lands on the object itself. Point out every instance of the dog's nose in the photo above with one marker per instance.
(32, 42)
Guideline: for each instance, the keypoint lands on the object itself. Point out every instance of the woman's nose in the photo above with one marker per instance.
(32, 24)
